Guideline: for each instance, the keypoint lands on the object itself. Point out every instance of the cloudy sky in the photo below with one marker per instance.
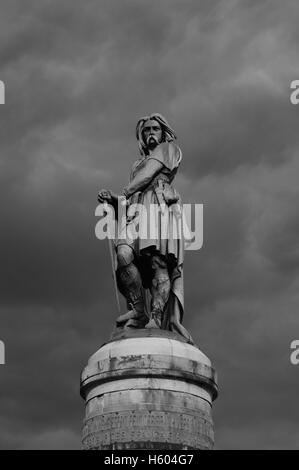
(78, 75)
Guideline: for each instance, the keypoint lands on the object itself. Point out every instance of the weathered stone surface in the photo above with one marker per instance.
(149, 392)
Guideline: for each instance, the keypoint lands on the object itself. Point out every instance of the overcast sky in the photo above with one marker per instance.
(78, 76)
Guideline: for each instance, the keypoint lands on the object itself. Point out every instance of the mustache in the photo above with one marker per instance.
(152, 137)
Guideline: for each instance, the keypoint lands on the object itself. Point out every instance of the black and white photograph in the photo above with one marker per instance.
(149, 237)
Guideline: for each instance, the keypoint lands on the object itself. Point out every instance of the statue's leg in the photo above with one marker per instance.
(160, 289)
(130, 285)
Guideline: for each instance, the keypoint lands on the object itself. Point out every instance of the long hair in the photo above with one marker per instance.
(167, 132)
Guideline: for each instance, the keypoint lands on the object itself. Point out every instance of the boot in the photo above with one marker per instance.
(138, 319)
(156, 319)
(129, 284)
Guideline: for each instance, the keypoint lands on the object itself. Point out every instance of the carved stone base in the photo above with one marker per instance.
(148, 390)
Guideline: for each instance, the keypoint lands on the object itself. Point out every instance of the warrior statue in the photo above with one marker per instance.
(149, 270)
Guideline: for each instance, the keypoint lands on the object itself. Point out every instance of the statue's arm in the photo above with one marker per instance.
(144, 176)
(140, 181)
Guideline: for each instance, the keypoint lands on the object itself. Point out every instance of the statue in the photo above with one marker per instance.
(149, 271)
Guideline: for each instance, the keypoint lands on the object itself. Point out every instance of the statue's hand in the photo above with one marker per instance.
(105, 195)
(108, 196)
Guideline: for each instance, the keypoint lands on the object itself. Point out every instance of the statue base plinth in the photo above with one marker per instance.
(148, 389)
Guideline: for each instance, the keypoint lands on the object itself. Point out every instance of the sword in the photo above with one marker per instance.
(111, 252)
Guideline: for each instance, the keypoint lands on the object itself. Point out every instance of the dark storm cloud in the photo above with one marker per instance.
(78, 75)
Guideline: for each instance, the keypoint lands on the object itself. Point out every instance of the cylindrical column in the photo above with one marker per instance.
(148, 392)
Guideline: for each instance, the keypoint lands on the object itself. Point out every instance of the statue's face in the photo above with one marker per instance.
(152, 133)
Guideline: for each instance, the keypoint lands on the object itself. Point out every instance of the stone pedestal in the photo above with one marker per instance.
(148, 389)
